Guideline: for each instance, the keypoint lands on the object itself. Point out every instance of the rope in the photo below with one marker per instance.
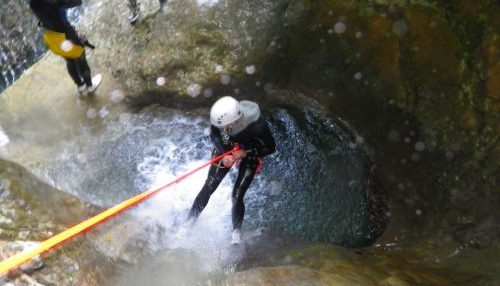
(60, 238)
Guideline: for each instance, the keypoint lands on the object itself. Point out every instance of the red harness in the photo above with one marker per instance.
(259, 167)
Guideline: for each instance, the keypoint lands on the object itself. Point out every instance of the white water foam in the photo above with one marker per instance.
(210, 235)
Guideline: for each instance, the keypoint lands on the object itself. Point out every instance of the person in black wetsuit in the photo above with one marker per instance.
(135, 10)
(235, 124)
(63, 40)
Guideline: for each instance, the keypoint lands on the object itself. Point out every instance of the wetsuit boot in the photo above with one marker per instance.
(236, 236)
(134, 11)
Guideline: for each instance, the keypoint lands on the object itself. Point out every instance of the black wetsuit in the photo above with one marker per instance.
(258, 141)
(52, 16)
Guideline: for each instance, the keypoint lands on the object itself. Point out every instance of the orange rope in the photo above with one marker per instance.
(59, 239)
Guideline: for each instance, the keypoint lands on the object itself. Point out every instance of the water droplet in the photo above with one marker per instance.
(160, 81)
(339, 28)
(103, 112)
(288, 259)
(400, 28)
(418, 211)
(359, 35)
(358, 76)
(420, 146)
(81, 158)
(194, 89)
(208, 92)
(393, 136)
(268, 87)
(225, 79)
(250, 69)
(117, 96)
(91, 113)
(415, 157)
(449, 155)
(124, 118)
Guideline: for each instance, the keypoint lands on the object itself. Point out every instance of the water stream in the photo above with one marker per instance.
(146, 150)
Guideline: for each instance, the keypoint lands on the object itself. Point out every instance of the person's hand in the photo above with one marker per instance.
(239, 154)
(228, 161)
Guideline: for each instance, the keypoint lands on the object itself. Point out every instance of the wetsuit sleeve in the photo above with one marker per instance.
(263, 142)
(70, 31)
(72, 35)
(216, 138)
(66, 27)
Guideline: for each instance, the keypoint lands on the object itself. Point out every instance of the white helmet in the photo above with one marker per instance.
(225, 111)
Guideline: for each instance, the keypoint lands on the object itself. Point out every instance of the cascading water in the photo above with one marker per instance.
(148, 149)
(154, 146)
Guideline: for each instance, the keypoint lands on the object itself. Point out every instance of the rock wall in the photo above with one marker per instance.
(31, 211)
(419, 80)
(20, 43)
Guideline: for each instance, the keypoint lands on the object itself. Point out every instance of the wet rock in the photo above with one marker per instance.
(29, 191)
(8, 249)
(35, 211)
(123, 241)
(376, 265)
(21, 44)
(321, 206)
(293, 276)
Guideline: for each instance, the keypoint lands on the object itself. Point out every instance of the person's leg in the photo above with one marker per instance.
(84, 70)
(132, 4)
(215, 176)
(72, 66)
(248, 167)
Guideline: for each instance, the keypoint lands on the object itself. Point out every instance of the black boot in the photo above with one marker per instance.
(134, 11)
